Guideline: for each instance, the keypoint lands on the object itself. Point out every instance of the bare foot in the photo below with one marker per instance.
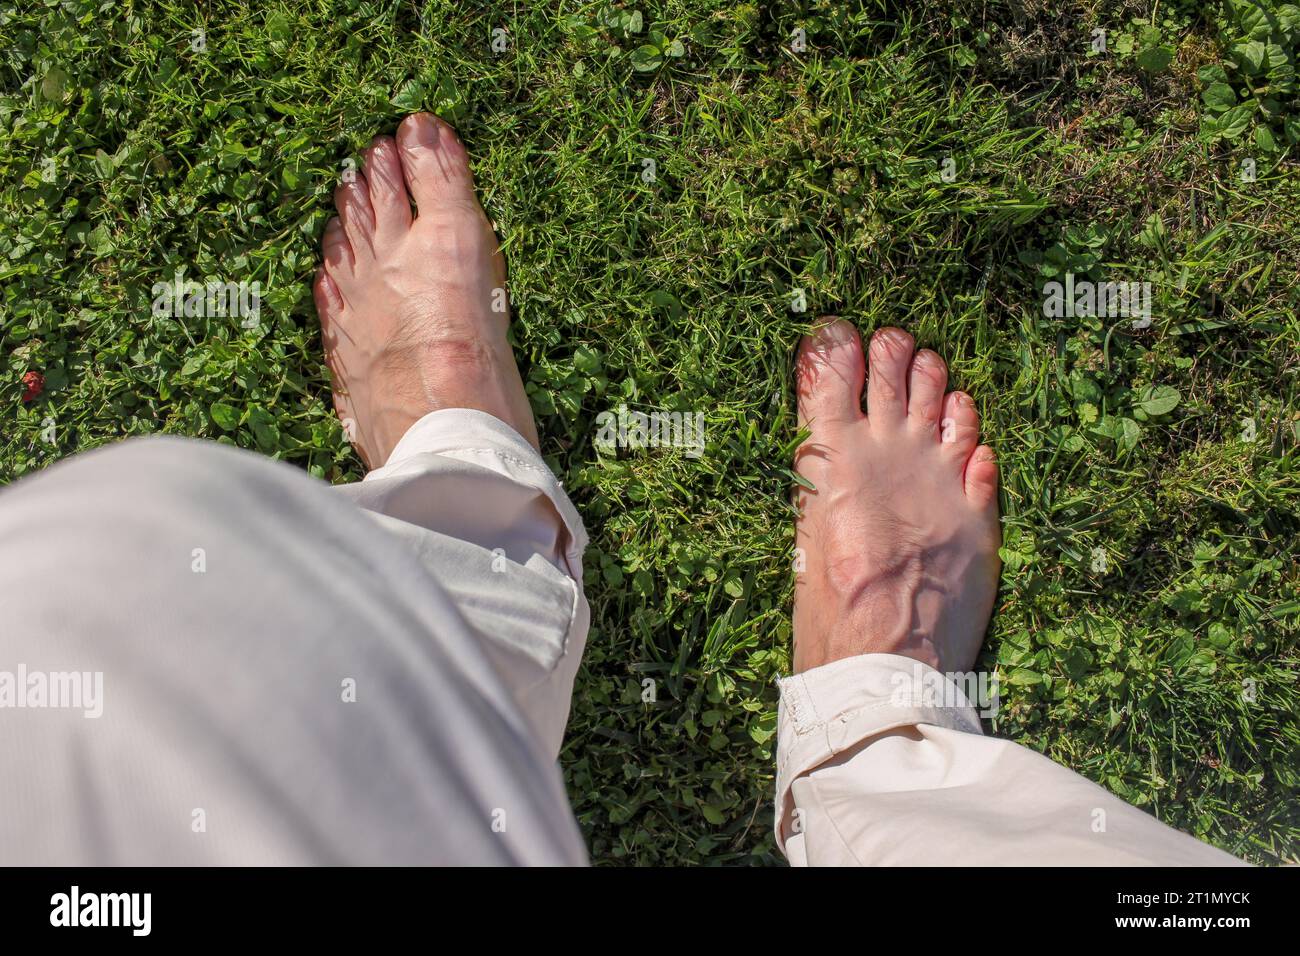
(412, 307)
(900, 539)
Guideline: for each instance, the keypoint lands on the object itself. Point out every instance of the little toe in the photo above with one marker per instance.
(982, 477)
(891, 355)
(329, 300)
(926, 381)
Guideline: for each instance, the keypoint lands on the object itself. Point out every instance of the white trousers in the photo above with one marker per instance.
(211, 658)
(876, 766)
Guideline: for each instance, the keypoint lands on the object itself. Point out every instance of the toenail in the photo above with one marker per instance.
(889, 339)
(835, 335)
(425, 134)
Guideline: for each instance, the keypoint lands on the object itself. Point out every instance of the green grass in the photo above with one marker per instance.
(1169, 676)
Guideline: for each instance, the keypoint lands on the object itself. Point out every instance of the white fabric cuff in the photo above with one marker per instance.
(475, 437)
(833, 708)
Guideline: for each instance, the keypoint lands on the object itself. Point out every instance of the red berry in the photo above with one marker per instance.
(33, 385)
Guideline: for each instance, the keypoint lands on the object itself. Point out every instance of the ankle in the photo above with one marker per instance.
(846, 639)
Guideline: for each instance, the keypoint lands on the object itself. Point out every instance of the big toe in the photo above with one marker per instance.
(434, 161)
(829, 373)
